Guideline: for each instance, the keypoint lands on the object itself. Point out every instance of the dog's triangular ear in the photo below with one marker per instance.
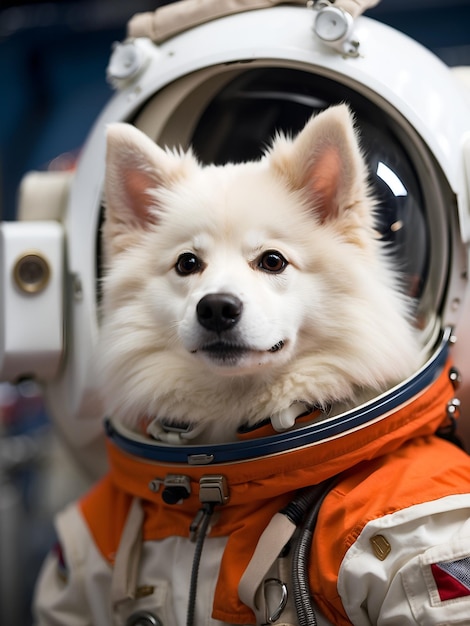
(325, 163)
(136, 168)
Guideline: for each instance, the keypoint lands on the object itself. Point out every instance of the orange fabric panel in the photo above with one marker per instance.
(105, 510)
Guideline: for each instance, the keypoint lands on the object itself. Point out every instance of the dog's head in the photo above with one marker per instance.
(238, 290)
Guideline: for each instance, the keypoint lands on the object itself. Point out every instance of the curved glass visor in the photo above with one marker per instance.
(244, 116)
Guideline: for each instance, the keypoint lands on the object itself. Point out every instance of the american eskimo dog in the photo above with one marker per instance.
(234, 293)
(231, 295)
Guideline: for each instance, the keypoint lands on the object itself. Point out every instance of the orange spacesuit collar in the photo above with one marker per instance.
(306, 465)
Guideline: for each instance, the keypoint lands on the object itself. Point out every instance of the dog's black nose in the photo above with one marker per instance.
(219, 311)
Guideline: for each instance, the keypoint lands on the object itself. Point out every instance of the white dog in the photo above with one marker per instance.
(235, 296)
(237, 291)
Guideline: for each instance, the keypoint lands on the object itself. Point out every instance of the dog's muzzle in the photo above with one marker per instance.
(219, 313)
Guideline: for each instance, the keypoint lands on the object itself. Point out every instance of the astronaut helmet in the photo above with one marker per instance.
(225, 84)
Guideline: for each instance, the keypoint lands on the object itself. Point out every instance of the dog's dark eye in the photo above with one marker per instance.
(272, 261)
(188, 263)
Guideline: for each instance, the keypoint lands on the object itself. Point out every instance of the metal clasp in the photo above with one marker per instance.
(280, 588)
(213, 488)
(176, 487)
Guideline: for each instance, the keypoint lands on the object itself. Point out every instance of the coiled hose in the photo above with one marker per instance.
(313, 500)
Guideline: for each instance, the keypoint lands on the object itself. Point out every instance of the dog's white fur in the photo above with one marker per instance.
(336, 306)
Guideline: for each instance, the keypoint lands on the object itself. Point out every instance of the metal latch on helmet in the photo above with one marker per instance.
(335, 26)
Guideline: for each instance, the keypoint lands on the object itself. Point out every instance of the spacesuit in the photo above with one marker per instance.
(358, 518)
(392, 536)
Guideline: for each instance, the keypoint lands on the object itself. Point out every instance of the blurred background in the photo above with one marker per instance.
(53, 58)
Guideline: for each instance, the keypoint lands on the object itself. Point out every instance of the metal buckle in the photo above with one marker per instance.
(273, 616)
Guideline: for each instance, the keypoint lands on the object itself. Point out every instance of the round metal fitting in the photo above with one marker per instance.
(453, 408)
(126, 61)
(31, 273)
(143, 618)
(154, 485)
(455, 377)
(331, 24)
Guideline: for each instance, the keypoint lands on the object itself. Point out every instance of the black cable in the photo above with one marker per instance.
(300, 558)
(207, 510)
